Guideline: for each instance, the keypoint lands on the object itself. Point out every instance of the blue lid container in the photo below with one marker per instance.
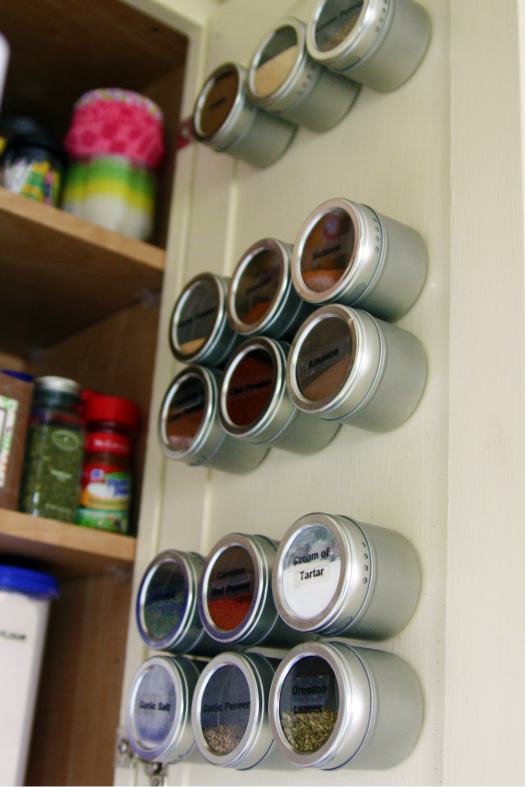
(28, 378)
(29, 582)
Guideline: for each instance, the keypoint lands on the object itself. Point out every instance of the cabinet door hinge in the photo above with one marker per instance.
(157, 772)
(124, 756)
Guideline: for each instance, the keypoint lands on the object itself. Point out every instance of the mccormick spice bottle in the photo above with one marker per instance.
(105, 497)
(54, 448)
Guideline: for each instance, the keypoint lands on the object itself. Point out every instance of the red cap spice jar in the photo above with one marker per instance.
(111, 425)
(235, 601)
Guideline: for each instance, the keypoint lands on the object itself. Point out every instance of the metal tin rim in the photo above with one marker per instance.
(279, 389)
(219, 318)
(371, 26)
(354, 713)
(284, 253)
(210, 391)
(299, 29)
(244, 749)
(190, 581)
(366, 361)
(166, 749)
(350, 584)
(237, 107)
(356, 272)
(251, 619)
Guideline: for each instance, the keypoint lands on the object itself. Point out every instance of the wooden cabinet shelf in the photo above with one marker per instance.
(60, 274)
(65, 550)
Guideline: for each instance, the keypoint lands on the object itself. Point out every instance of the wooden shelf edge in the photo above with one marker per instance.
(66, 550)
(69, 225)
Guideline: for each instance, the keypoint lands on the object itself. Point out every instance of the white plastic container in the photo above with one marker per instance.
(24, 610)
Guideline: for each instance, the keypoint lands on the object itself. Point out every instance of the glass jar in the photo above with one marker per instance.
(166, 610)
(106, 486)
(33, 165)
(229, 713)
(334, 706)
(54, 450)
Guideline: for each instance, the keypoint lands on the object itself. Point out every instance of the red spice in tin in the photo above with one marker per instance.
(228, 613)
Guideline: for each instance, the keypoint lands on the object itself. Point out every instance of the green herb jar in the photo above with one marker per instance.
(54, 450)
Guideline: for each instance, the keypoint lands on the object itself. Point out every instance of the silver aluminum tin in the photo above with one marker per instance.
(188, 636)
(386, 270)
(385, 381)
(249, 133)
(378, 587)
(222, 339)
(211, 446)
(262, 625)
(287, 310)
(179, 742)
(311, 95)
(257, 747)
(380, 708)
(385, 46)
(281, 425)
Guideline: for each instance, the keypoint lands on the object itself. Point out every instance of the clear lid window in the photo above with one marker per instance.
(327, 250)
(225, 709)
(309, 704)
(196, 317)
(185, 413)
(336, 21)
(164, 600)
(258, 286)
(325, 359)
(276, 61)
(250, 388)
(221, 92)
(154, 707)
(310, 571)
(231, 586)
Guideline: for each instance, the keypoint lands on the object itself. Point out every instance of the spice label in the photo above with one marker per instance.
(225, 709)
(185, 413)
(154, 707)
(231, 588)
(309, 694)
(311, 572)
(325, 359)
(196, 318)
(165, 602)
(258, 286)
(8, 411)
(105, 498)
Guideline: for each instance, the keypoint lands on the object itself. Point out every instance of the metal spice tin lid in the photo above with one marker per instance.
(196, 318)
(348, 28)
(185, 413)
(249, 387)
(216, 101)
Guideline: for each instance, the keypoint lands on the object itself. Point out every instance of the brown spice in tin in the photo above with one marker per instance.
(257, 312)
(223, 739)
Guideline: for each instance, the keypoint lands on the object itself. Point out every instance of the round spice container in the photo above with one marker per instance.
(285, 80)
(158, 710)
(189, 428)
(235, 599)
(16, 390)
(33, 165)
(229, 713)
(226, 120)
(199, 328)
(348, 366)
(334, 576)
(254, 404)
(377, 42)
(54, 450)
(166, 610)
(106, 485)
(335, 706)
(350, 254)
(261, 299)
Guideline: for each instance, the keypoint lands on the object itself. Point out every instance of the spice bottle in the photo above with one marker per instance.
(235, 599)
(226, 120)
(261, 299)
(16, 389)
(335, 706)
(348, 366)
(106, 486)
(166, 610)
(347, 253)
(158, 709)
(229, 713)
(286, 81)
(336, 576)
(199, 328)
(54, 449)
(189, 428)
(377, 42)
(254, 404)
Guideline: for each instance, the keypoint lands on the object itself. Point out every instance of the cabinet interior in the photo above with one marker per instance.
(59, 50)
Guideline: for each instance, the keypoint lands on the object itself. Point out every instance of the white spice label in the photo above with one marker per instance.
(8, 409)
(154, 707)
(311, 571)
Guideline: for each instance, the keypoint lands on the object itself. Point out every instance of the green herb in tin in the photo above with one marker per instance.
(307, 732)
